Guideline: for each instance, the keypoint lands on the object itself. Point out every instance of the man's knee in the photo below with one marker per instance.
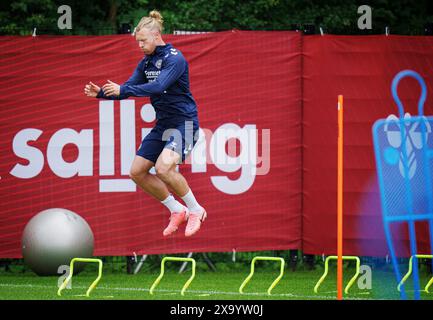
(136, 173)
(162, 171)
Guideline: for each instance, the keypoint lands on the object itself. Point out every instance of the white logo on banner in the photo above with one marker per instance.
(210, 149)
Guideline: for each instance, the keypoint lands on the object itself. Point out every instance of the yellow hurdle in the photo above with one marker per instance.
(281, 260)
(186, 285)
(322, 278)
(71, 273)
(409, 272)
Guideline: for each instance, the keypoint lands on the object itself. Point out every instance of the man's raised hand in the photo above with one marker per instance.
(111, 89)
(91, 89)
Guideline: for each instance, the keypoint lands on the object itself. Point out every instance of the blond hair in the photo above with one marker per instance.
(153, 22)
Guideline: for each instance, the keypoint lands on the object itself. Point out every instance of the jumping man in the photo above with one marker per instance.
(163, 76)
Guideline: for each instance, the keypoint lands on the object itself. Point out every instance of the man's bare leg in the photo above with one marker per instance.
(152, 185)
(166, 170)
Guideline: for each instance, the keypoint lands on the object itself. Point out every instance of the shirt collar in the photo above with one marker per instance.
(161, 49)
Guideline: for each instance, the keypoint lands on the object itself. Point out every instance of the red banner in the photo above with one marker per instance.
(61, 149)
(361, 69)
(272, 91)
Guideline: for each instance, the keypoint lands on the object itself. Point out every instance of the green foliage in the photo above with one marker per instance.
(105, 17)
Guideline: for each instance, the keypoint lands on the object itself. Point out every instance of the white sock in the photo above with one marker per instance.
(172, 204)
(191, 202)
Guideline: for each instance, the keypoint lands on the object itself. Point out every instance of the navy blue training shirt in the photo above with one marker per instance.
(164, 77)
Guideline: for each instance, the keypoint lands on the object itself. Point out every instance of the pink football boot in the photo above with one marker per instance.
(194, 222)
(176, 219)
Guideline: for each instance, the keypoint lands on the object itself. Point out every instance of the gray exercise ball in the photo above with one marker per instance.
(52, 238)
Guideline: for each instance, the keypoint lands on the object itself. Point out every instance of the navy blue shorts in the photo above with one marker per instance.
(179, 137)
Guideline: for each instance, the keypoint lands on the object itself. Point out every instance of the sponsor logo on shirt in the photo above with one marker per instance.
(152, 75)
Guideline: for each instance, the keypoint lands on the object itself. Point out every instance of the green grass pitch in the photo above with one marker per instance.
(220, 285)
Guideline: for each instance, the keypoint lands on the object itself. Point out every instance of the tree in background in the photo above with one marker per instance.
(106, 17)
(89, 17)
